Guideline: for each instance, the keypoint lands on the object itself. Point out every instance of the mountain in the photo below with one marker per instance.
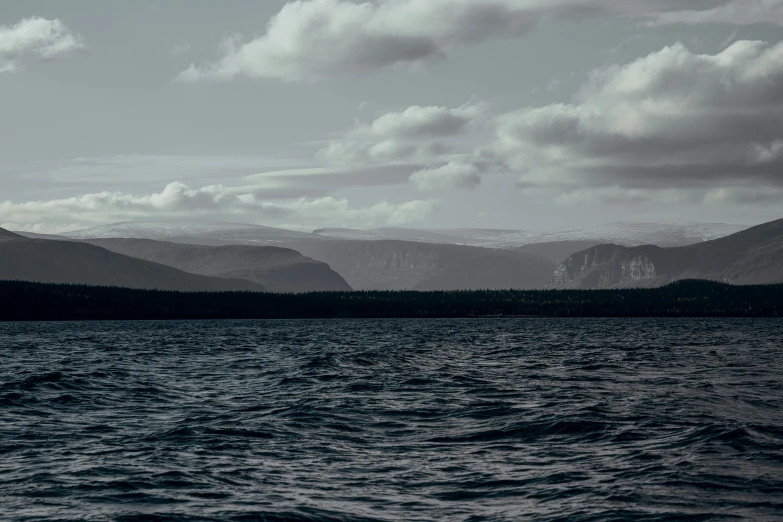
(222, 233)
(46, 261)
(277, 269)
(365, 265)
(754, 256)
(406, 265)
(557, 251)
(430, 259)
(5, 236)
(629, 234)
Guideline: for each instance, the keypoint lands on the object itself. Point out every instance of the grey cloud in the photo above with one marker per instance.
(315, 39)
(35, 37)
(450, 175)
(671, 119)
(415, 135)
(416, 122)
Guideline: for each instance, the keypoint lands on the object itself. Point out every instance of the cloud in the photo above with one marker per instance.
(311, 40)
(178, 200)
(450, 175)
(673, 119)
(744, 196)
(413, 136)
(35, 37)
(734, 12)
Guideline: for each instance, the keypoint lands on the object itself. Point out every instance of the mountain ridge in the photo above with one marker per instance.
(753, 256)
(48, 261)
(277, 269)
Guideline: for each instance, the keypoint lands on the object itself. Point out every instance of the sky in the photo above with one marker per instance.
(507, 114)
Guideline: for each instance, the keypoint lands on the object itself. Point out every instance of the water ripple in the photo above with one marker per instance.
(474, 420)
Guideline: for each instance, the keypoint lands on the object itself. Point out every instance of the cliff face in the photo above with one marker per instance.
(610, 266)
(754, 256)
(404, 265)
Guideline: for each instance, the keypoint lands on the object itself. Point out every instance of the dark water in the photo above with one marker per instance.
(538, 419)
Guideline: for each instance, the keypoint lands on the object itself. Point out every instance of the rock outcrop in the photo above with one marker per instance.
(753, 256)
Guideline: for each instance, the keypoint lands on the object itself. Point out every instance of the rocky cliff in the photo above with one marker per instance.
(405, 265)
(754, 256)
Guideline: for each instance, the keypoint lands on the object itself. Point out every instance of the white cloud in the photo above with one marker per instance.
(673, 119)
(315, 39)
(413, 136)
(450, 175)
(35, 37)
(178, 200)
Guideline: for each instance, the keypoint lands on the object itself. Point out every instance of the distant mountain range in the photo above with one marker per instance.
(216, 233)
(753, 256)
(607, 256)
(276, 269)
(628, 234)
(48, 261)
(406, 265)
(557, 251)
(365, 265)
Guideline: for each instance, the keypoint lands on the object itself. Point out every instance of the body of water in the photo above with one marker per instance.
(496, 419)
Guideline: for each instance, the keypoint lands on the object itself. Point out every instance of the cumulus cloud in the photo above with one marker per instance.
(673, 119)
(178, 200)
(450, 175)
(35, 37)
(413, 136)
(315, 39)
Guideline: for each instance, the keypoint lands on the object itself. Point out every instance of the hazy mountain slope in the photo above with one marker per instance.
(235, 233)
(754, 256)
(557, 251)
(33, 235)
(367, 264)
(398, 265)
(277, 269)
(631, 234)
(73, 262)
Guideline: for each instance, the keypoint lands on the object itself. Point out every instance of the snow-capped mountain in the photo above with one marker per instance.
(629, 234)
(241, 233)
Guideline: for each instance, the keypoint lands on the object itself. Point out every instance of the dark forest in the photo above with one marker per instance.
(23, 301)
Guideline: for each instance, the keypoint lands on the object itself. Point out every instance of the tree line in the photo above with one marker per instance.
(25, 301)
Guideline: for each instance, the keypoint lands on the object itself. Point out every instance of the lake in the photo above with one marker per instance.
(483, 419)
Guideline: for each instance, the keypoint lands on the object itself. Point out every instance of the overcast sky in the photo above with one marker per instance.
(420, 113)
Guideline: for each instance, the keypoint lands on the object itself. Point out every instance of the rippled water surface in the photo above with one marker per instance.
(513, 419)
